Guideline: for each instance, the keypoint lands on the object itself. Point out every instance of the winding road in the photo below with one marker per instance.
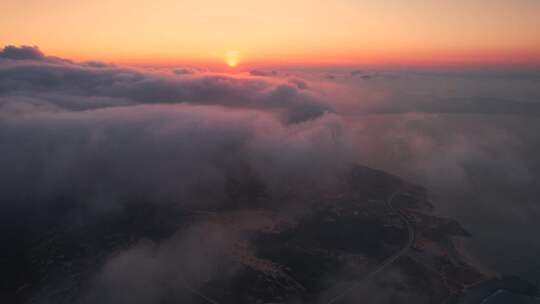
(388, 261)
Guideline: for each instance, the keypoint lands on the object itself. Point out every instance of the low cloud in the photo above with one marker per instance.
(299, 83)
(102, 136)
(88, 154)
(263, 73)
(21, 53)
(169, 271)
(96, 80)
(184, 71)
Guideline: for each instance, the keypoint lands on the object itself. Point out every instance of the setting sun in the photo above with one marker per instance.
(232, 58)
(322, 151)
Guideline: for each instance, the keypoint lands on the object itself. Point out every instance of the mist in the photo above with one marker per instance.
(84, 142)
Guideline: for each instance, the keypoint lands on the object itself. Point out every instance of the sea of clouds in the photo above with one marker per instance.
(100, 135)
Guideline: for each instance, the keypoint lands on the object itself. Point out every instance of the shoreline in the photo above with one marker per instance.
(467, 256)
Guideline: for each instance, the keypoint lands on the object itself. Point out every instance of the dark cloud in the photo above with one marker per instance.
(80, 168)
(184, 71)
(169, 271)
(361, 74)
(329, 77)
(21, 53)
(141, 86)
(81, 141)
(96, 64)
(470, 105)
(299, 83)
(263, 73)
(84, 155)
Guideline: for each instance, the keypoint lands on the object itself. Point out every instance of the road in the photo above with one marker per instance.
(200, 295)
(388, 261)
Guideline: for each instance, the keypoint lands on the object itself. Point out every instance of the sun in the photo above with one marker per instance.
(232, 59)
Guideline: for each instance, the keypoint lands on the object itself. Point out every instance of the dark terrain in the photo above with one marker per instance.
(372, 238)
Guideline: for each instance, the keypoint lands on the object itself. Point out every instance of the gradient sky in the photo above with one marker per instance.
(293, 31)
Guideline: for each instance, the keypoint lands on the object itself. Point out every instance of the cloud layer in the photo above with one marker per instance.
(54, 81)
(21, 53)
(80, 141)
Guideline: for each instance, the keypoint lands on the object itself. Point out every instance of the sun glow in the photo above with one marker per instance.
(296, 32)
(232, 58)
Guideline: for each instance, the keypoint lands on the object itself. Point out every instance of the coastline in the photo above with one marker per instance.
(467, 256)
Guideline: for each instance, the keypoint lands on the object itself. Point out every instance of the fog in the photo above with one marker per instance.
(99, 136)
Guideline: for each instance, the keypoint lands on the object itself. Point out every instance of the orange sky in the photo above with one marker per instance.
(285, 32)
